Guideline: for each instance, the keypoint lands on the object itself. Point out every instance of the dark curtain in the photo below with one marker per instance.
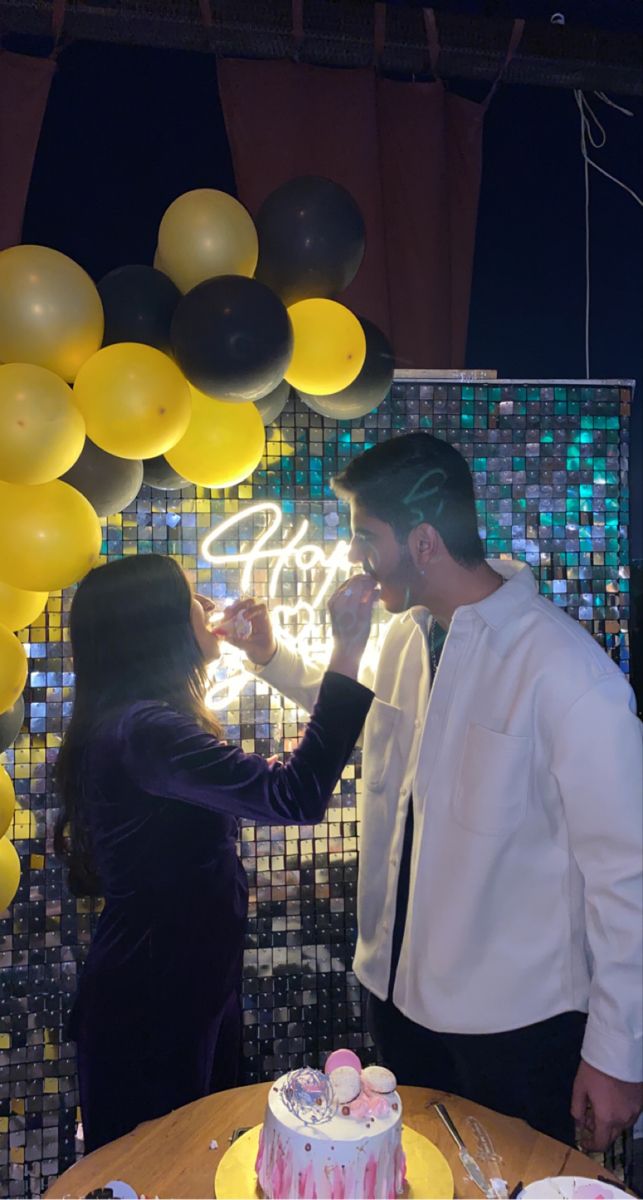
(24, 91)
(409, 153)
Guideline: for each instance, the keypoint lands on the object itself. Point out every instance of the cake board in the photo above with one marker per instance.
(428, 1173)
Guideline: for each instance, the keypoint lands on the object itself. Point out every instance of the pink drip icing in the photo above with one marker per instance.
(287, 1174)
(370, 1177)
(260, 1153)
(400, 1170)
(280, 1173)
(306, 1183)
(337, 1183)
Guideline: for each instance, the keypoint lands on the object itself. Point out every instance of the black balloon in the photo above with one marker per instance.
(370, 387)
(273, 405)
(11, 724)
(311, 239)
(232, 338)
(108, 482)
(139, 304)
(157, 473)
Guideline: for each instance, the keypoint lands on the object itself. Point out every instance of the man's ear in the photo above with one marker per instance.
(424, 544)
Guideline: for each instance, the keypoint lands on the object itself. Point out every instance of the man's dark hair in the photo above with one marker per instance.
(413, 479)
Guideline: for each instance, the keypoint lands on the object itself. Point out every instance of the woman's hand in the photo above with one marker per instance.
(258, 643)
(351, 610)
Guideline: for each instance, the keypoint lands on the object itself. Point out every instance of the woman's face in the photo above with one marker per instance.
(208, 642)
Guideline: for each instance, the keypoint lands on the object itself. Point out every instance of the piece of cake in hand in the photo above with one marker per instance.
(332, 1136)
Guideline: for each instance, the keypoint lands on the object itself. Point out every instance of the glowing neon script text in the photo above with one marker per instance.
(299, 625)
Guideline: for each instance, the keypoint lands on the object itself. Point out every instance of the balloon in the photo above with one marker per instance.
(139, 303)
(232, 338)
(274, 403)
(7, 801)
(311, 239)
(50, 310)
(370, 387)
(41, 430)
(223, 443)
(18, 609)
(9, 872)
(11, 723)
(157, 473)
(330, 347)
(108, 482)
(206, 233)
(13, 668)
(135, 401)
(50, 535)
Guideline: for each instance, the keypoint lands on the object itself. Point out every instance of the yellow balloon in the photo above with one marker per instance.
(50, 311)
(9, 872)
(135, 401)
(330, 347)
(18, 608)
(158, 263)
(50, 535)
(7, 801)
(13, 669)
(205, 233)
(223, 443)
(41, 431)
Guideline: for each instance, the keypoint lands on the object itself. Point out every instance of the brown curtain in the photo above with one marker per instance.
(24, 91)
(409, 153)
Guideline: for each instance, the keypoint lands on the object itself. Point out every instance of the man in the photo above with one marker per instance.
(499, 893)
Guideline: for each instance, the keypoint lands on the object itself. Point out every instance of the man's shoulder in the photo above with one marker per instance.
(565, 648)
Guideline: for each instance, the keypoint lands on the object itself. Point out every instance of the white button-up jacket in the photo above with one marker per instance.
(525, 771)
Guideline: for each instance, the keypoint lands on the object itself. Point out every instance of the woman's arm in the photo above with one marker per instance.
(167, 754)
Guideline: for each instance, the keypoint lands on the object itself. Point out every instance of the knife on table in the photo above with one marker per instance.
(476, 1175)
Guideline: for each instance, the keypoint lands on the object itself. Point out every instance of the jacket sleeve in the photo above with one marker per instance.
(167, 754)
(598, 762)
(298, 678)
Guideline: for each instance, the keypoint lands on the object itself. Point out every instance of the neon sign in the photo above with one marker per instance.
(301, 624)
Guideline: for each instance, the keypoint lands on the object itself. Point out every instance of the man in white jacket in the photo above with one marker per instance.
(500, 888)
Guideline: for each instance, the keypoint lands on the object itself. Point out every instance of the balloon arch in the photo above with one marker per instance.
(166, 375)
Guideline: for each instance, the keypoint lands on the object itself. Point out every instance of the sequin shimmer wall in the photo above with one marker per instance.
(550, 463)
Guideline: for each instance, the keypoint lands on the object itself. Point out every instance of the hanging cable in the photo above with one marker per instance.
(592, 134)
(597, 140)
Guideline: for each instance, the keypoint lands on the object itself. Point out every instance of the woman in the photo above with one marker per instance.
(150, 801)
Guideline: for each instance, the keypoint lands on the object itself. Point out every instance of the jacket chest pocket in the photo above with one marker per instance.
(493, 782)
(380, 737)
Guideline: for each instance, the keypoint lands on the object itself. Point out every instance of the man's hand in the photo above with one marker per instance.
(603, 1106)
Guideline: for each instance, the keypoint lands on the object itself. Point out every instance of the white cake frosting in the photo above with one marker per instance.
(330, 1150)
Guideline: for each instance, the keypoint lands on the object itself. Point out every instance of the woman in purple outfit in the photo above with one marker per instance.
(151, 797)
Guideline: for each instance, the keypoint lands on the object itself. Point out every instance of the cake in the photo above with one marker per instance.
(332, 1135)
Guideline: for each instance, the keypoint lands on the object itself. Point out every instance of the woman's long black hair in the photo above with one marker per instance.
(131, 640)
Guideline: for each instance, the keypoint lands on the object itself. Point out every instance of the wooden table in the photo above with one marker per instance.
(171, 1157)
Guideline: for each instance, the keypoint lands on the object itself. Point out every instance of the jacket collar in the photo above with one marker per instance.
(496, 610)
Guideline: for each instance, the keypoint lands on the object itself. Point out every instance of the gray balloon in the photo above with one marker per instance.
(11, 724)
(108, 482)
(273, 405)
(157, 473)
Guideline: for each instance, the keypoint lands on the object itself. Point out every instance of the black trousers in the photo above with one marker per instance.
(526, 1073)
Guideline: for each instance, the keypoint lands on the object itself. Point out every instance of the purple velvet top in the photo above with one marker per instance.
(163, 800)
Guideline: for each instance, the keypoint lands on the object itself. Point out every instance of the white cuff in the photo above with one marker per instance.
(613, 1053)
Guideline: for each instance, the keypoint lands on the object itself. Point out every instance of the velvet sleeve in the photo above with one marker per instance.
(167, 754)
